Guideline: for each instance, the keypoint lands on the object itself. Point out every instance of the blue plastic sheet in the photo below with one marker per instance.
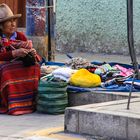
(112, 88)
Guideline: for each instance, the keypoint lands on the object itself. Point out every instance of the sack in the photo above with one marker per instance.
(52, 97)
(84, 78)
(54, 111)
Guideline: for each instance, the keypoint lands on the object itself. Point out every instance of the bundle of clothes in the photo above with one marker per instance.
(80, 73)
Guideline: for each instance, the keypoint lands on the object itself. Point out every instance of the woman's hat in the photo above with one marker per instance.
(6, 13)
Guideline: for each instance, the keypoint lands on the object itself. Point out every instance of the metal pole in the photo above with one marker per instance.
(131, 37)
(130, 92)
(49, 33)
(131, 46)
(51, 30)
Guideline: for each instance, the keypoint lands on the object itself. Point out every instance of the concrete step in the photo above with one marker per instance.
(110, 120)
(84, 98)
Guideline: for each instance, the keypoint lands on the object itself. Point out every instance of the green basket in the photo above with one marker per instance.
(52, 97)
(53, 111)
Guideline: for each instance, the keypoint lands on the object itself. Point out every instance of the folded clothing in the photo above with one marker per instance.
(64, 72)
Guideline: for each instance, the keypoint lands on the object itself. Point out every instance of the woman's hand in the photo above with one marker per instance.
(20, 52)
(33, 51)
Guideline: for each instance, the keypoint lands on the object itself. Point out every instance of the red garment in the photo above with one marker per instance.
(18, 87)
(18, 84)
(7, 56)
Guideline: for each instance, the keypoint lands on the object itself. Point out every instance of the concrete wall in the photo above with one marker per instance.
(97, 26)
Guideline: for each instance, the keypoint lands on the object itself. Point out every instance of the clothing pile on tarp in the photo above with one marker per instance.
(94, 76)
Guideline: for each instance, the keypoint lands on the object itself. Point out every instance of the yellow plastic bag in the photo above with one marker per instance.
(84, 78)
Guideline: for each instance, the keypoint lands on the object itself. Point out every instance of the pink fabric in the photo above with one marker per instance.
(124, 71)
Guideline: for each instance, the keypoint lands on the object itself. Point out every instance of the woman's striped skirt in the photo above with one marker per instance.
(18, 87)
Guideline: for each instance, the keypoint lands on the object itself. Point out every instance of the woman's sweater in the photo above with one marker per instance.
(7, 56)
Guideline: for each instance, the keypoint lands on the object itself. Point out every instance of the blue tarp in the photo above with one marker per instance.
(114, 88)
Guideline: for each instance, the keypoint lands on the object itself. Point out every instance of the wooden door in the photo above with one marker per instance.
(22, 10)
(18, 7)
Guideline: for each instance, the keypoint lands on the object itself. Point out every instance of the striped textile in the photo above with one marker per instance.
(18, 87)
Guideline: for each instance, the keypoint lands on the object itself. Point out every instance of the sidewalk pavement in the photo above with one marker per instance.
(61, 57)
(37, 126)
(34, 126)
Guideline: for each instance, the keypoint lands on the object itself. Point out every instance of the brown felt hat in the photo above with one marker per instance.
(6, 13)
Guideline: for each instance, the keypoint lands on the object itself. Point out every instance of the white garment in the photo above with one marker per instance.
(63, 72)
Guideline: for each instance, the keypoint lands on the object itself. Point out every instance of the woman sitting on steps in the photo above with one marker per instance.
(18, 81)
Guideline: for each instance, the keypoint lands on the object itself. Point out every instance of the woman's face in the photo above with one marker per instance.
(9, 27)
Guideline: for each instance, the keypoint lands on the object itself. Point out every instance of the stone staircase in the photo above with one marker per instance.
(109, 120)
